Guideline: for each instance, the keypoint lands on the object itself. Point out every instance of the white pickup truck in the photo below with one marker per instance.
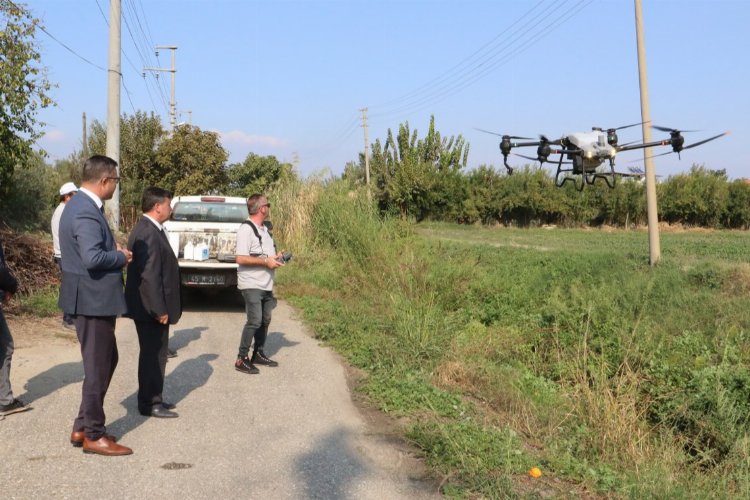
(206, 226)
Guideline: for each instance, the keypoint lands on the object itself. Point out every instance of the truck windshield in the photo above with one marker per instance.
(209, 212)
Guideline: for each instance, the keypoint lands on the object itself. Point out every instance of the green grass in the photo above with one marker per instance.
(40, 303)
(502, 348)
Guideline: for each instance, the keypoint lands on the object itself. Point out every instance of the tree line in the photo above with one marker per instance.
(427, 179)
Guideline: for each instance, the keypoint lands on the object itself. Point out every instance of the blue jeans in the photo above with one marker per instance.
(258, 307)
(6, 353)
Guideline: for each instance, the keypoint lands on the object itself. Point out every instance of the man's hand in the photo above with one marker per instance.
(127, 253)
(163, 319)
(272, 263)
(7, 296)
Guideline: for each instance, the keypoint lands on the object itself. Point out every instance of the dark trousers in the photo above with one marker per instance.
(67, 318)
(6, 353)
(152, 362)
(258, 307)
(99, 352)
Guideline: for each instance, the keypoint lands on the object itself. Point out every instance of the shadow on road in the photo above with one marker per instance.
(275, 342)
(188, 376)
(52, 380)
(227, 300)
(330, 467)
(182, 338)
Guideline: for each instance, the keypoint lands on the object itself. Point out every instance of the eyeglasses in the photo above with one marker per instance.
(265, 205)
(116, 179)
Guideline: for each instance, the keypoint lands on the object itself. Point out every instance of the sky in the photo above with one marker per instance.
(289, 78)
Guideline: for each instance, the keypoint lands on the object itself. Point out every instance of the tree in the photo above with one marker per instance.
(697, 199)
(257, 174)
(23, 89)
(420, 177)
(737, 213)
(140, 135)
(191, 161)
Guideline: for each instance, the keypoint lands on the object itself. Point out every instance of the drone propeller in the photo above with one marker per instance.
(671, 130)
(693, 144)
(706, 140)
(612, 129)
(545, 140)
(503, 135)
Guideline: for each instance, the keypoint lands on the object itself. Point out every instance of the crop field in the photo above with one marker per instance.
(504, 349)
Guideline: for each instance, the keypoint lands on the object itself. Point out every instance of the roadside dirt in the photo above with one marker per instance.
(28, 331)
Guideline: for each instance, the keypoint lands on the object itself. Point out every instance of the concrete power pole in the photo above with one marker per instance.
(113, 105)
(367, 152)
(654, 245)
(85, 139)
(173, 70)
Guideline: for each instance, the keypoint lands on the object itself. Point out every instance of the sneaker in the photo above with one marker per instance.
(259, 358)
(15, 406)
(244, 365)
(69, 326)
(171, 353)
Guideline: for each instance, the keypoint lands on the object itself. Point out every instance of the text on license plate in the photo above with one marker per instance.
(204, 279)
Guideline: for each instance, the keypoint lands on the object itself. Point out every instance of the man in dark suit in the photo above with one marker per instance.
(92, 293)
(152, 293)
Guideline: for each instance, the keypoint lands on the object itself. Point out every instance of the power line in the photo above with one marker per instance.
(69, 49)
(490, 64)
(513, 43)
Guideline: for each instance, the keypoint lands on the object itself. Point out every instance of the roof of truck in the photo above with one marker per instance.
(210, 199)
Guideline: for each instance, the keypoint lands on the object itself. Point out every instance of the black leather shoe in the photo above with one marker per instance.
(159, 411)
(168, 406)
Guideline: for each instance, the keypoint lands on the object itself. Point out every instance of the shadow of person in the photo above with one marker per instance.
(330, 467)
(181, 338)
(51, 380)
(185, 378)
(275, 342)
(226, 300)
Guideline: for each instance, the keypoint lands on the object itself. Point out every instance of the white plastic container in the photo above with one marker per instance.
(200, 252)
(189, 251)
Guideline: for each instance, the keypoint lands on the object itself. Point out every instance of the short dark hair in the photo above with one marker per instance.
(152, 196)
(253, 203)
(96, 167)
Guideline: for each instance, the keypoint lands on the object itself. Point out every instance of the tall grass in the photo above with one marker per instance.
(502, 349)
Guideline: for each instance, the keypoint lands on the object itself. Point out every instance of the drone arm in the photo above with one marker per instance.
(629, 147)
(524, 144)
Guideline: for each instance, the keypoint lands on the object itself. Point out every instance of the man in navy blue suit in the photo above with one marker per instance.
(92, 293)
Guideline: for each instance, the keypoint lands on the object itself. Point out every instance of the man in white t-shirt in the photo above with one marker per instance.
(257, 258)
(66, 193)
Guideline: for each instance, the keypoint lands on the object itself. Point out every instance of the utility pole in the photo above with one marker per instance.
(653, 217)
(85, 140)
(113, 105)
(367, 152)
(173, 70)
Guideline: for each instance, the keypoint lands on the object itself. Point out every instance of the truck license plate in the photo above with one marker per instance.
(204, 279)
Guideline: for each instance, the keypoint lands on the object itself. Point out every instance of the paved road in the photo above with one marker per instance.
(290, 432)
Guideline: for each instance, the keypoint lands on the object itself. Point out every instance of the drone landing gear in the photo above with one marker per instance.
(609, 178)
(566, 178)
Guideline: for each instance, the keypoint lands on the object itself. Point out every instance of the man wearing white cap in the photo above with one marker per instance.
(66, 192)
